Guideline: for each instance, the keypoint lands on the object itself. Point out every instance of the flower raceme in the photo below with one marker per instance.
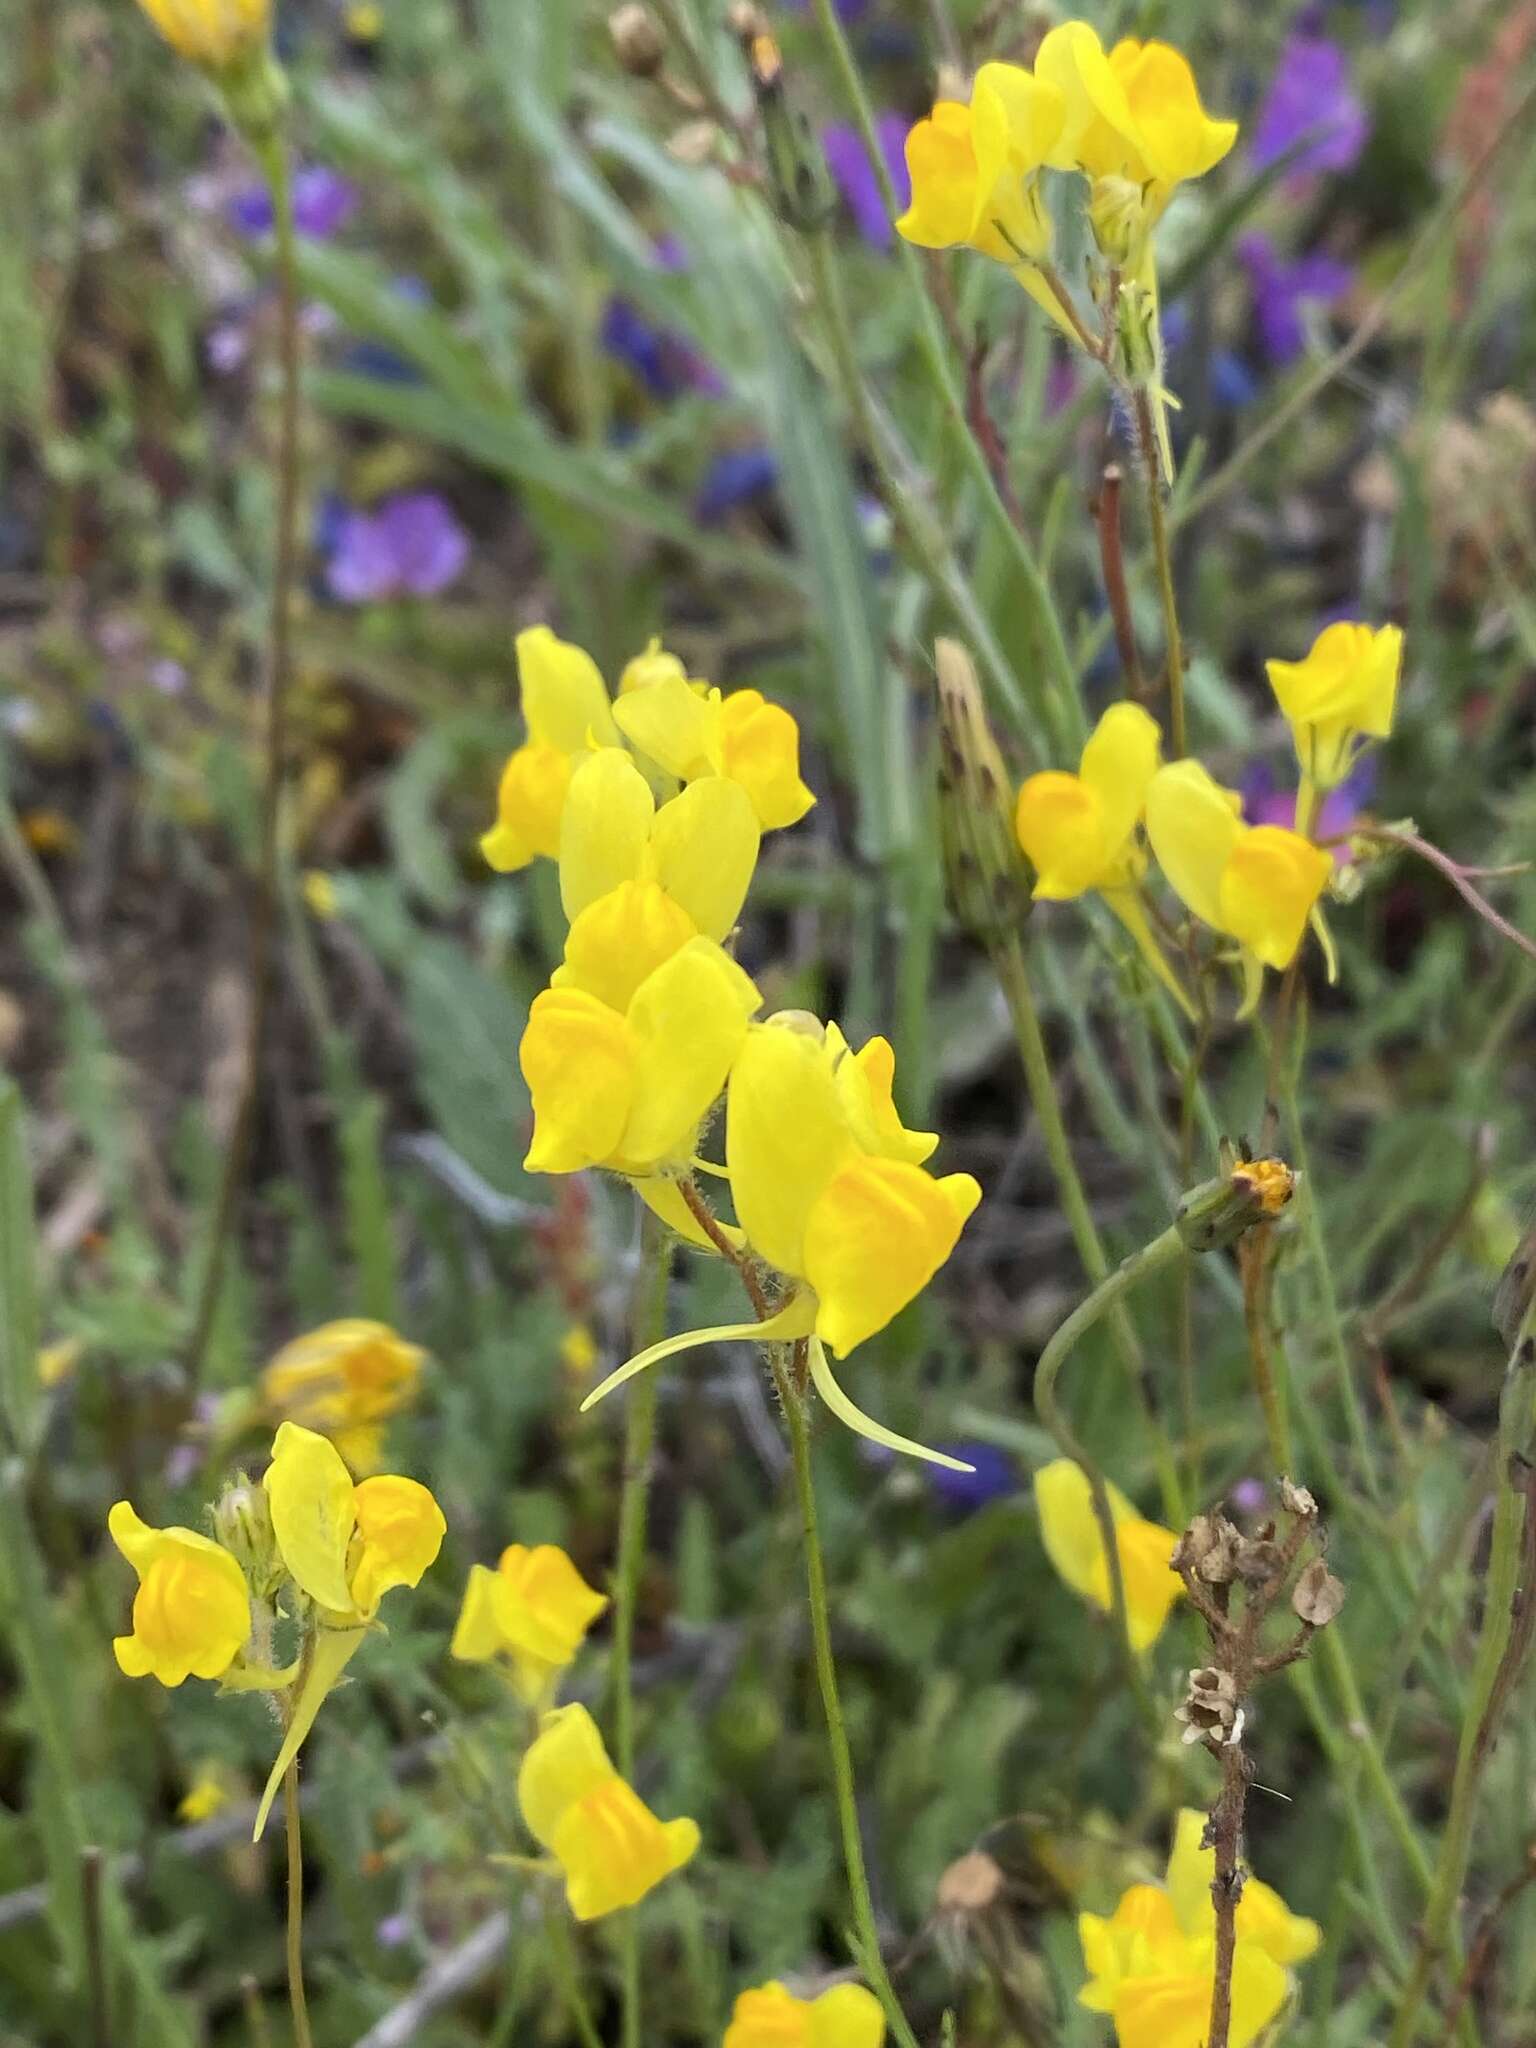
(831, 1193)
(344, 1379)
(1080, 832)
(533, 1610)
(1259, 884)
(1343, 692)
(192, 1612)
(1074, 1544)
(685, 727)
(846, 2016)
(610, 1847)
(1151, 1965)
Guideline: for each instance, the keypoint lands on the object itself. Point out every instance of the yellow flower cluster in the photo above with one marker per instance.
(648, 1020)
(310, 1543)
(1151, 1965)
(1258, 886)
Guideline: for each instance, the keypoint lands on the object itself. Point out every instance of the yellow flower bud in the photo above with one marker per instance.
(212, 33)
(1074, 1543)
(610, 1847)
(192, 1612)
(534, 1609)
(847, 2016)
(655, 665)
(1345, 690)
(347, 1545)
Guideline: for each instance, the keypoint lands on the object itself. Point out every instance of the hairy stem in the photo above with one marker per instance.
(1162, 555)
(294, 1949)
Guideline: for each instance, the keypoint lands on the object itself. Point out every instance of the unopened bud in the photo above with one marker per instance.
(988, 885)
(1318, 1595)
(1218, 1212)
(242, 1523)
(799, 183)
(1117, 215)
(638, 42)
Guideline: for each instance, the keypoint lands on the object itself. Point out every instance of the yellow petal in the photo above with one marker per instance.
(1098, 135)
(678, 726)
(874, 1238)
(847, 2016)
(1268, 889)
(402, 1530)
(1069, 1530)
(614, 1850)
(565, 700)
(786, 1135)
(578, 1059)
(941, 165)
(530, 801)
(1193, 824)
(1008, 106)
(1119, 761)
(344, 1375)
(761, 750)
(1179, 140)
(704, 844)
(620, 939)
(605, 828)
(1266, 1922)
(477, 1634)
(768, 2017)
(310, 1494)
(565, 1761)
(332, 1652)
(1061, 828)
(192, 1612)
(687, 1023)
(655, 665)
(543, 1606)
(865, 1081)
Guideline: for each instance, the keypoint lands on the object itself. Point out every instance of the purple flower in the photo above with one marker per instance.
(1283, 290)
(665, 363)
(1249, 1496)
(323, 203)
(1230, 380)
(411, 546)
(855, 177)
(1310, 96)
(995, 1477)
(1266, 804)
(850, 10)
(735, 477)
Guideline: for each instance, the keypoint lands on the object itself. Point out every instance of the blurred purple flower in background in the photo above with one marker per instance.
(412, 545)
(735, 477)
(1265, 803)
(667, 364)
(995, 1477)
(854, 174)
(850, 10)
(323, 203)
(1310, 95)
(1283, 288)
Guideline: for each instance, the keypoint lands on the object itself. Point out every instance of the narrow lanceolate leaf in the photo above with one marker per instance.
(20, 1334)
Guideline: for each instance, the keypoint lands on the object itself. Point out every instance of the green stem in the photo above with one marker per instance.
(272, 154)
(560, 1947)
(1498, 1655)
(1162, 555)
(639, 1440)
(295, 1940)
(1014, 976)
(837, 1733)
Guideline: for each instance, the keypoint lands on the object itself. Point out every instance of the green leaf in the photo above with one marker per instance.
(20, 1319)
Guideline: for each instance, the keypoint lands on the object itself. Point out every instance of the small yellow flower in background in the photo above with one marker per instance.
(1133, 125)
(55, 1362)
(1151, 1965)
(347, 1544)
(319, 893)
(1074, 1543)
(212, 33)
(1343, 692)
(1079, 832)
(192, 1612)
(975, 173)
(610, 1847)
(48, 832)
(207, 1795)
(1259, 884)
(534, 1609)
(578, 1351)
(847, 2016)
(344, 1379)
(831, 1192)
(364, 21)
(566, 710)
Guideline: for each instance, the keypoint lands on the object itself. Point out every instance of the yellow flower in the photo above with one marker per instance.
(1152, 1964)
(192, 1612)
(1079, 832)
(690, 729)
(975, 173)
(535, 1609)
(630, 1044)
(1074, 1544)
(847, 2016)
(346, 1544)
(830, 1191)
(610, 1846)
(578, 1351)
(566, 710)
(207, 1795)
(55, 1362)
(1133, 125)
(319, 893)
(1345, 690)
(213, 33)
(344, 1379)
(1259, 884)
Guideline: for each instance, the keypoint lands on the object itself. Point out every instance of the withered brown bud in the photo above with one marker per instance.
(1259, 1560)
(970, 1885)
(1296, 1500)
(637, 40)
(1211, 1548)
(1318, 1595)
(1210, 1706)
